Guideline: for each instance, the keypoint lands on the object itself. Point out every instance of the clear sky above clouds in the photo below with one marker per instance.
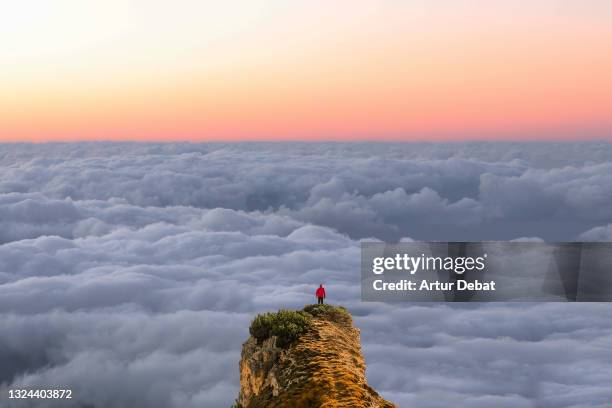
(255, 69)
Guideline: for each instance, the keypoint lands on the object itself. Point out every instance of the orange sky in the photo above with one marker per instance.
(237, 70)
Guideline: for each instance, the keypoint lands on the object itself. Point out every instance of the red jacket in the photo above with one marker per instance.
(320, 292)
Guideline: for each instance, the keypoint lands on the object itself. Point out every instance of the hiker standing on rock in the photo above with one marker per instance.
(320, 294)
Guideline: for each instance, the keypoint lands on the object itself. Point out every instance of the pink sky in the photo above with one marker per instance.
(312, 70)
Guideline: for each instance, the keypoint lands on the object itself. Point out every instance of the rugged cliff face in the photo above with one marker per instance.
(323, 367)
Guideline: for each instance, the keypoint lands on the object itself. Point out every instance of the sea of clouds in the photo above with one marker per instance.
(130, 272)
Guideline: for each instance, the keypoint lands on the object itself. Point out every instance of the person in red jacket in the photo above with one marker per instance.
(320, 294)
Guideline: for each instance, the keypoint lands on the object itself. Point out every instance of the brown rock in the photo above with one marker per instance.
(323, 368)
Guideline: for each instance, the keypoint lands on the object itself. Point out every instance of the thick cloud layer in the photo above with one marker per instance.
(478, 191)
(130, 272)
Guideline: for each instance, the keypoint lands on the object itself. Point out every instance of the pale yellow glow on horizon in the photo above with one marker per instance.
(200, 70)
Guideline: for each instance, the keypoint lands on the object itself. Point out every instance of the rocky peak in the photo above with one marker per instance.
(308, 358)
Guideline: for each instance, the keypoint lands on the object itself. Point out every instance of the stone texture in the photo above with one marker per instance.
(323, 368)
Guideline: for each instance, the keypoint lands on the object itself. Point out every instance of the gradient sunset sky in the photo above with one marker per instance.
(307, 70)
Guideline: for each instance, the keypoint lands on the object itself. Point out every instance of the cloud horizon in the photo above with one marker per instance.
(124, 266)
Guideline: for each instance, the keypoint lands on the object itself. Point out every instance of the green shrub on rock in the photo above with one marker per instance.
(286, 325)
(261, 327)
(336, 314)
